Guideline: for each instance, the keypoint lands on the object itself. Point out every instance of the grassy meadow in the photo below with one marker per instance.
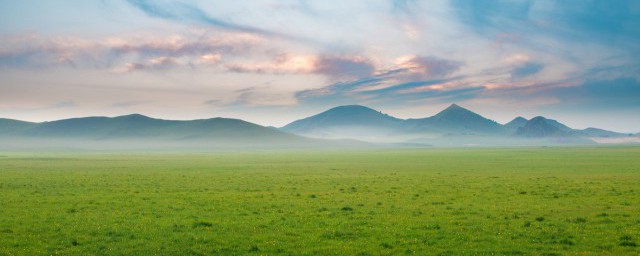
(522, 201)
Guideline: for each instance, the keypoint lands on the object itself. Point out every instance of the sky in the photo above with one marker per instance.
(274, 61)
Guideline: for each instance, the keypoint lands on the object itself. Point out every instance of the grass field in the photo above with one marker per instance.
(532, 201)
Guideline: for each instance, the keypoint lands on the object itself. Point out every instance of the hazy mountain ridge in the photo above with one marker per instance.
(595, 132)
(544, 127)
(513, 125)
(356, 121)
(353, 121)
(454, 124)
(352, 115)
(540, 127)
(144, 132)
(343, 125)
(456, 119)
(10, 126)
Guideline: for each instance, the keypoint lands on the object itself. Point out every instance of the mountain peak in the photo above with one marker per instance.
(351, 108)
(459, 120)
(133, 116)
(455, 110)
(454, 106)
(519, 118)
(540, 127)
(516, 123)
(350, 111)
(343, 116)
(538, 119)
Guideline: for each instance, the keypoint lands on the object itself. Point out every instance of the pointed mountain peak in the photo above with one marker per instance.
(454, 109)
(454, 106)
(519, 119)
(460, 120)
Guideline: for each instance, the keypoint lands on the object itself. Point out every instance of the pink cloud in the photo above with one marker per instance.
(160, 63)
(140, 52)
(344, 67)
(427, 67)
(334, 67)
(282, 64)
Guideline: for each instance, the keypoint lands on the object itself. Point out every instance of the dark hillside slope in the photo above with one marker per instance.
(344, 116)
(456, 119)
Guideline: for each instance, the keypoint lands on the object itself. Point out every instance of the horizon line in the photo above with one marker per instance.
(289, 122)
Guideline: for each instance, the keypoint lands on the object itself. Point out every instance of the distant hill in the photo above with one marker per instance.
(139, 126)
(456, 119)
(142, 131)
(453, 126)
(362, 122)
(600, 133)
(540, 127)
(353, 115)
(350, 126)
(10, 126)
(352, 121)
(558, 125)
(544, 127)
(514, 124)
(102, 127)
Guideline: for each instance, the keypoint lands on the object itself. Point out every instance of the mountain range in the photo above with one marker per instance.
(343, 126)
(142, 132)
(453, 126)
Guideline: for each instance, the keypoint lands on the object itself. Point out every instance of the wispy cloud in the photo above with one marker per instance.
(408, 78)
(596, 21)
(280, 64)
(340, 89)
(618, 93)
(264, 96)
(160, 63)
(526, 69)
(334, 67)
(344, 67)
(428, 67)
(184, 12)
(320, 53)
(127, 52)
(403, 6)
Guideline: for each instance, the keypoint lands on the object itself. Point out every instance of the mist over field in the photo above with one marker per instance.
(352, 126)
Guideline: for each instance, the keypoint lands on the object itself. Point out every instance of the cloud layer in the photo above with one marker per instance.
(297, 57)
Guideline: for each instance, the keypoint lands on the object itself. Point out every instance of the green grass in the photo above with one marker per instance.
(544, 201)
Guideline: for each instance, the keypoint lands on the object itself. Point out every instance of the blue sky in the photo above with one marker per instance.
(271, 62)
